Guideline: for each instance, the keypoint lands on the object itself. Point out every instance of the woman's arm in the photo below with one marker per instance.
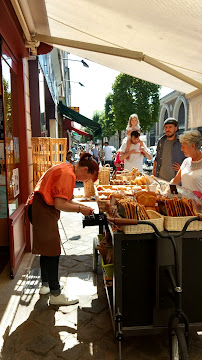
(71, 206)
(176, 180)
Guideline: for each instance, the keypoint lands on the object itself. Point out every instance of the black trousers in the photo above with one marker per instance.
(110, 162)
(49, 273)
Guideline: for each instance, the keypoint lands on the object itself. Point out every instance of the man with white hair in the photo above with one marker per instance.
(169, 155)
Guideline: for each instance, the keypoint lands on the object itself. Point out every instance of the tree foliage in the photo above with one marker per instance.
(132, 95)
(106, 119)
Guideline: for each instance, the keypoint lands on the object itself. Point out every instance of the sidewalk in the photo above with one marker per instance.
(78, 332)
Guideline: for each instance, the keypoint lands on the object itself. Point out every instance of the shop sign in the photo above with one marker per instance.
(15, 178)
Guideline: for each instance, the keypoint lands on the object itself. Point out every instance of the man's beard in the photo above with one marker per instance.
(169, 136)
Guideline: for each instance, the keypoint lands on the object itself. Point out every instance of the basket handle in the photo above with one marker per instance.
(122, 221)
(107, 165)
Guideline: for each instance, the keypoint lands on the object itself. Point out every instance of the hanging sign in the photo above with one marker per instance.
(16, 188)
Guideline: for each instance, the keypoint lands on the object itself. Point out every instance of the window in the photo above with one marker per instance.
(12, 158)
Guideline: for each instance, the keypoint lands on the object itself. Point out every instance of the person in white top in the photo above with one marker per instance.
(133, 125)
(137, 150)
(190, 172)
(107, 152)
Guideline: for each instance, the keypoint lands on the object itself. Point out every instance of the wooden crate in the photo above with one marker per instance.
(47, 152)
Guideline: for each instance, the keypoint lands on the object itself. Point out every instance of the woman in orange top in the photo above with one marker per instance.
(54, 192)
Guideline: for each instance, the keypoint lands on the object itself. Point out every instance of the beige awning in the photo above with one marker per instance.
(156, 40)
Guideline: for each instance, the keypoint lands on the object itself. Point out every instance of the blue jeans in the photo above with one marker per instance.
(49, 273)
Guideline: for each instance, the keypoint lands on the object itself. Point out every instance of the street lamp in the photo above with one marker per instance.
(76, 82)
(82, 61)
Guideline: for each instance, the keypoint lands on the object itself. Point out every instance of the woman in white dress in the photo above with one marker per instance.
(190, 172)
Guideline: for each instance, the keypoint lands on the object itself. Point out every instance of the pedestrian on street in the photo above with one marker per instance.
(69, 157)
(169, 155)
(107, 154)
(96, 153)
(54, 192)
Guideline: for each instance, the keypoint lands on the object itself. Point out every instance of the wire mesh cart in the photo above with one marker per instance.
(142, 296)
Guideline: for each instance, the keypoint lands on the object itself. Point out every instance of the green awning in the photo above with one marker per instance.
(80, 119)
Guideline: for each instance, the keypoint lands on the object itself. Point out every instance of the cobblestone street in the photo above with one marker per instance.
(77, 332)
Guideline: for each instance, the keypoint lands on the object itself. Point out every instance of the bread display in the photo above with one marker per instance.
(180, 207)
(140, 180)
(133, 210)
(146, 198)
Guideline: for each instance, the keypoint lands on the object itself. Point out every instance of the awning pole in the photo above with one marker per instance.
(171, 71)
(125, 53)
(136, 55)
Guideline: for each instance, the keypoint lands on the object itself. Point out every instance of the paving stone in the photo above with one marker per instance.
(47, 317)
(69, 262)
(81, 268)
(103, 321)
(74, 353)
(26, 355)
(66, 320)
(26, 333)
(42, 344)
(88, 333)
(84, 318)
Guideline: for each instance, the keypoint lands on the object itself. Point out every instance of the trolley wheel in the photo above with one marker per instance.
(178, 345)
(95, 255)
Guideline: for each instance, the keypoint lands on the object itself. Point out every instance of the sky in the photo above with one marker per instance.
(97, 81)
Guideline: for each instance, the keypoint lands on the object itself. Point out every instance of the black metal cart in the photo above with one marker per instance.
(140, 299)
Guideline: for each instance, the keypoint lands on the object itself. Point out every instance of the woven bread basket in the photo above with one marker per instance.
(103, 205)
(155, 218)
(104, 175)
(177, 223)
(89, 188)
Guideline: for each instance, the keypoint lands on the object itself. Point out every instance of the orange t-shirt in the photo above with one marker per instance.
(58, 181)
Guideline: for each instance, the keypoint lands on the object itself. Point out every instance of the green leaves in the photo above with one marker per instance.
(132, 95)
(129, 95)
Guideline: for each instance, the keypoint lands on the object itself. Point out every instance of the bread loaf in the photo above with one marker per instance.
(146, 198)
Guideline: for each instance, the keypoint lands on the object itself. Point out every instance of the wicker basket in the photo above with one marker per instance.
(89, 189)
(177, 223)
(104, 175)
(155, 218)
(47, 152)
(103, 205)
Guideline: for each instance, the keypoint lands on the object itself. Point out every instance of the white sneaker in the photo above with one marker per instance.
(62, 299)
(44, 290)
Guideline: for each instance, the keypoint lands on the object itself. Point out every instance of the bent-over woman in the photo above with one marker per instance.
(54, 192)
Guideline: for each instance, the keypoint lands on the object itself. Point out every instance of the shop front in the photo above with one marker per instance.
(14, 170)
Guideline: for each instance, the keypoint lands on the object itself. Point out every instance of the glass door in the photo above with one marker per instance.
(11, 207)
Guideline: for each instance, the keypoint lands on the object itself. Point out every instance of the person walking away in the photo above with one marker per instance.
(73, 152)
(190, 172)
(169, 155)
(69, 157)
(52, 194)
(107, 152)
(117, 162)
(137, 150)
(96, 153)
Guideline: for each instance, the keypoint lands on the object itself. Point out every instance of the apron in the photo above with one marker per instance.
(46, 237)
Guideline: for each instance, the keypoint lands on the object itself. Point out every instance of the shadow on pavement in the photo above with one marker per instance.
(81, 332)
